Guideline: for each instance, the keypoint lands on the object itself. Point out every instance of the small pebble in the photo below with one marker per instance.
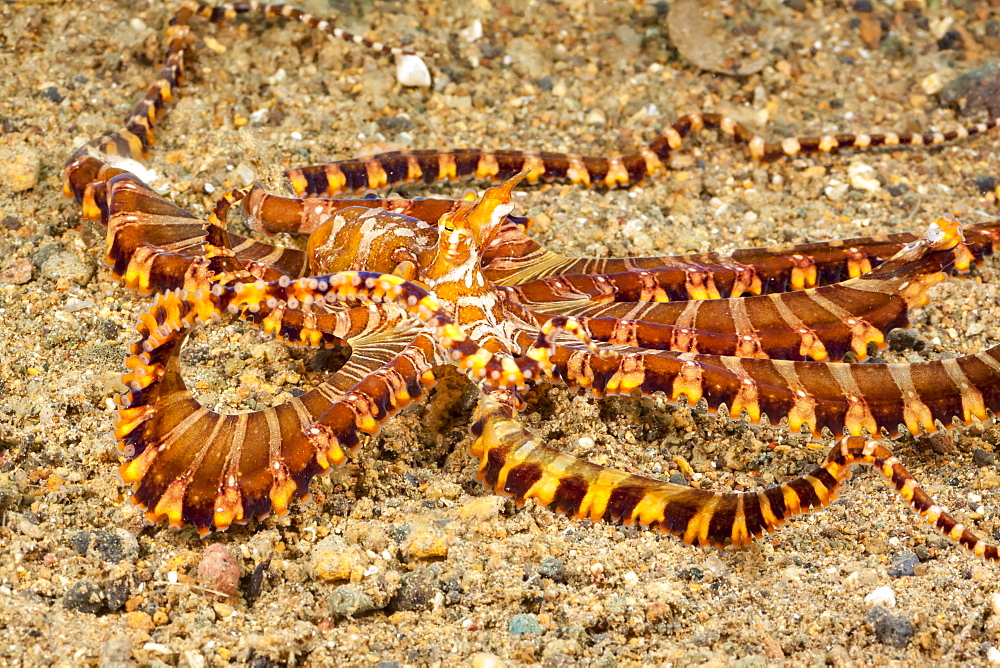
(415, 593)
(17, 272)
(108, 546)
(67, 264)
(904, 339)
(486, 660)
(425, 540)
(524, 624)
(412, 71)
(349, 601)
(19, 167)
(890, 628)
(85, 596)
(981, 457)
(219, 570)
(140, 621)
(985, 183)
(553, 569)
(116, 652)
(333, 559)
(993, 656)
(883, 596)
(903, 564)
(862, 176)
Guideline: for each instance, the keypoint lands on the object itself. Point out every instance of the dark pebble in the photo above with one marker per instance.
(974, 91)
(691, 574)
(796, 5)
(109, 329)
(85, 596)
(904, 339)
(11, 222)
(890, 629)
(52, 93)
(108, 546)
(552, 568)
(117, 592)
(490, 51)
(395, 123)
(981, 457)
(678, 479)
(952, 40)
(414, 594)
(863, 6)
(903, 564)
(545, 83)
(922, 552)
(898, 189)
(985, 183)
(993, 28)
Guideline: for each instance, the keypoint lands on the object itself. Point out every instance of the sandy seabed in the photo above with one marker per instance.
(453, 575)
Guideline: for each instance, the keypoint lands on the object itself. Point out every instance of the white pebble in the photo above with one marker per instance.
(715, 564)
(993, 656)
(631, 579)
(412, 71)
(881, 596)
(862, 177)
(995, 600)
(473, 32)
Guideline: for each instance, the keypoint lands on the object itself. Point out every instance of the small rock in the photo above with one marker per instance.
(553, 569)
(678, 479)
(862, 176)
(117, 592)
(425, 540)
(524, 624)
(349, 601)
(890, 629)
(11, 497)
(106, 545)
(993, 656)
(116, 652)
(903, 565)
(333, 559)
(140, 621)
(904, 339)
(19, 167)
(486, 660)
(52, 93)
(17, 272)
(985, 183)
(526, 57)
(412, 71)
(219, 570)
(981, 457)
(85, 596)
(980, 573)
(415, 593)
(883, 596)
(191, 658)
(69, 265)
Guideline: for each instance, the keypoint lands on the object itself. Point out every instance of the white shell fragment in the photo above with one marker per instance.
(412, 71)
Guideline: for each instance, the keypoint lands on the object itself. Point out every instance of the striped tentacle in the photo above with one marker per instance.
(515, 463)
(514, 259)
(428, 166)
(818, 323)
(193, 466)
(812, 395)
(85, 173)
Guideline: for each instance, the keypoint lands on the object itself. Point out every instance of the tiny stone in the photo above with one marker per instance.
(117, 593)
(904, 339)
(116, 652)
(104, 544)
(219, 570)
(69, 265)
(553, 569)
(985, 183)
(84, 596)
(415, 593)
(11, 223)
(903, 564)
(349, 601)
(982, 457)
(890, 629)
(19, 167)
(52, 93)
(883, 596)
(412, 71)
(524, 624)
(140, 621)
(678, 479)
(993, 656)
(333, 559)
(17, 272)
(486, 660)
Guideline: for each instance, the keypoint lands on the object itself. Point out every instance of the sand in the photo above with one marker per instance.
(434, 569)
